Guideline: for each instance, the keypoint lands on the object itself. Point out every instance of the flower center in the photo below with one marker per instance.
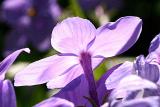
(86, 63)
(31, 12)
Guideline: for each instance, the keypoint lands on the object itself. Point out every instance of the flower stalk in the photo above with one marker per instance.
(87, 67)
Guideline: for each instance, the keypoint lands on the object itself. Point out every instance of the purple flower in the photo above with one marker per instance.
(130, 84)
(82, 47)
(133, 91)
(55, 102)
(31, 21)
(147, 68)
(7, 94)
(141, 102)
(93, 4)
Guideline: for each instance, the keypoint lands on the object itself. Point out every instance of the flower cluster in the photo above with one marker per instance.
(95, 3)
(31, 22)
(81, 49)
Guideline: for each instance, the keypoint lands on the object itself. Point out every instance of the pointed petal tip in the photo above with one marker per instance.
(27, 50)
(154, 45)
(9, 60)
(49, 86)
(108, 43)
(133, 17)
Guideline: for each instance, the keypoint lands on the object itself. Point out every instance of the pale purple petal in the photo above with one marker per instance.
(116, 37)
(139, 63)
(147, 92)
(154, 51)
(76, 91)
(155, 43)
(134, 94)
(141, 102)
(44, 70)
(105, 105)
(129, 84)
(96, 62)
(146, 69)
(73, 35)
(64, 79)
(55, 102)
(8, 61)
(101, 87)
(7, 94)
(122, 71)
(75, 86)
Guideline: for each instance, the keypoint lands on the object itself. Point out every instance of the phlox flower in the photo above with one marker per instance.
(81, 48)
(31, 22)
(147, 68)
(7, 94)
(134, 91)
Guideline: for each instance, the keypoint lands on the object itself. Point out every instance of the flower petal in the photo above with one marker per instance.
(115, 38)
(129, 84)
(142, 102)
(7, 94)
(73, 35)
(55, 102)
(76, 91)
(64, 79)
(122, 71)
(8, 61)
(44, 70)
(96, 62)
(155, 43)
(146, 69)
(105, 104)
(101, 87)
